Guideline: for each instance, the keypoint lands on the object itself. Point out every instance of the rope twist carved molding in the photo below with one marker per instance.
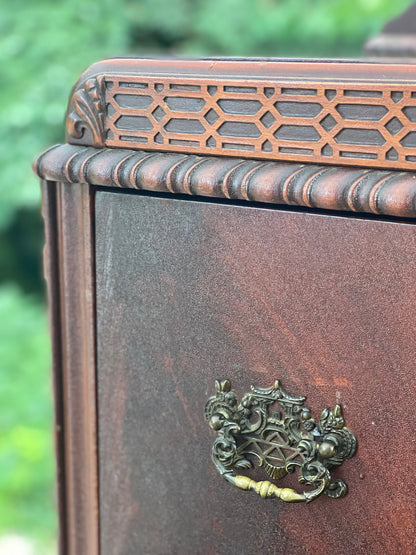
(390, 193)
(324, 121)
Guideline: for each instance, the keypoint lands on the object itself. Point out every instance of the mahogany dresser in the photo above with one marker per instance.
(231, 262)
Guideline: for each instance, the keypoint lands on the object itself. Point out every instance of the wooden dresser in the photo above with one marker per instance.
(249, 221)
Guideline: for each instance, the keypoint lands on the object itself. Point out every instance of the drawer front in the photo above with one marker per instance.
(189, 292)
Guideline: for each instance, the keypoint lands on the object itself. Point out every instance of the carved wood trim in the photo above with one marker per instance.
(378, 192)
(330, 113)
(85, 118)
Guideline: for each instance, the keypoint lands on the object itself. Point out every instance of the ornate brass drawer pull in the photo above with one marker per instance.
(280, 442)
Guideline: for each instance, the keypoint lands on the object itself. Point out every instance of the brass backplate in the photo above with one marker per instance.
(273, 429)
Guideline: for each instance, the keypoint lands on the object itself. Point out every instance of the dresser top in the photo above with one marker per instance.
(344, 113)
(335, 135)
(259, 69)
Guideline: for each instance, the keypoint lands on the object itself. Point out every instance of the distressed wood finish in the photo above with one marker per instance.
(324, 303)
(69, 267)
(191, 290)
(333, 113)
(389, 193)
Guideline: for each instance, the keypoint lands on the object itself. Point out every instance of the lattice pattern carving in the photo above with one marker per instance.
(337, 123)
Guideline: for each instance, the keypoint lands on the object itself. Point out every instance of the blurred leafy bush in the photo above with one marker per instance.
(44, 46)
(307, 28)
(26, 422)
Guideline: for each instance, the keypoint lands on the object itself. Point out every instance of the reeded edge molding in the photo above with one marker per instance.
(390, 193)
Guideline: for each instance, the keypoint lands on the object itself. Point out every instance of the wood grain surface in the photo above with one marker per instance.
(189, 292)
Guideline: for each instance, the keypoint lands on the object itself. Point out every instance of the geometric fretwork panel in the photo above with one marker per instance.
(334, 123)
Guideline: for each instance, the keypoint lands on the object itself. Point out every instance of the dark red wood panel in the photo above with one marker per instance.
(188, 292)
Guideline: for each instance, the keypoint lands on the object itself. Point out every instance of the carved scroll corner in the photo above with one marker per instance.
(85, 117)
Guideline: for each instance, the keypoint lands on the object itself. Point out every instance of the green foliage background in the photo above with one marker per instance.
(44, 46)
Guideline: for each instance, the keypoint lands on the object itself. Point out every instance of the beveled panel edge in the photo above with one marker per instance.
(337, 113)
(379, 192)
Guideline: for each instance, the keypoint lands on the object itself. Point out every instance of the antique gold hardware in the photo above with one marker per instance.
(279, 441)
